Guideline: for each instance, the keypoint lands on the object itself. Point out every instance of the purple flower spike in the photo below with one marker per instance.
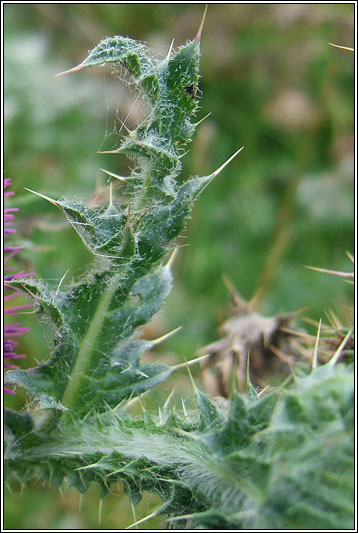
(15, 329)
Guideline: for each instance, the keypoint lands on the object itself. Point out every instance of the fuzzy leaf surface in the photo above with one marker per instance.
(278, 471)
(95, 357)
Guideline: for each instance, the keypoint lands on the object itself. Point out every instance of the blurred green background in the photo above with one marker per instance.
(272, 84)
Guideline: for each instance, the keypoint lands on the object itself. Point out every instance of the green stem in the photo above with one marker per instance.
(84, 358)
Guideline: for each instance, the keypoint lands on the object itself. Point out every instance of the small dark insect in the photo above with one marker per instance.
(191, 90)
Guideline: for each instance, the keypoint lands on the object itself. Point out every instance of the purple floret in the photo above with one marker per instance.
(14, 330)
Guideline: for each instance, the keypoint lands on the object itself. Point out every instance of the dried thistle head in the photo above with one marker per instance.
(251, 343)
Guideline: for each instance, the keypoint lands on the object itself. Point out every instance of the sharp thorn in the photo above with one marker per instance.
(342, 47)
(296, 333)
(151, 515)
(337, 354)
(69, 71)
(135, 141)
(195, 388)
(141, 404)
(44, 197)
(113, 175)
(181, 517)
(191, 362)
(184, 408)
(165, 406)
(171, 258)
(263, 390)
(92, 465)
(214, 174)
(333, 319)
(124, 126)
(61, 281)
(34, 296)
(334, 272)
(184, 154)
(199, 32)
(202, 119)
(166, 336)
(217, 171)
(109, 152)
(170, 50)
(315, 353)
(234, 295)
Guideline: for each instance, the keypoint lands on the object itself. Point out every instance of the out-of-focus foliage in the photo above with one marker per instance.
(272, 84)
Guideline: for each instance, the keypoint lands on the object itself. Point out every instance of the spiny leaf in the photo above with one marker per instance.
(277, 471)
(91, 363)
(282, 460)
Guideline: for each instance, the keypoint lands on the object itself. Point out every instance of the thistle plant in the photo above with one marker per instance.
(277, 460)
(13, 330)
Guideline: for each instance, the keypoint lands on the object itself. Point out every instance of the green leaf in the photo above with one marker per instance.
(122, 50)
(90, 365)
